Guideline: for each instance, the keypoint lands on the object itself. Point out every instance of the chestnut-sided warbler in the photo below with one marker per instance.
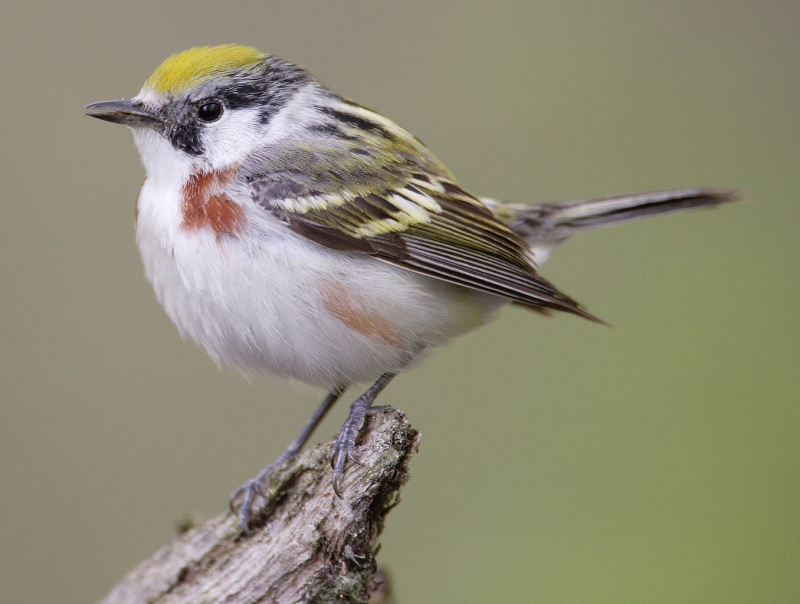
(290, 231)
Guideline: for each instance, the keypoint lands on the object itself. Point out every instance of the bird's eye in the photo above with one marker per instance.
(210, 111)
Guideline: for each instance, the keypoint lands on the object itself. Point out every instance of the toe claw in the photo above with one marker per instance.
(234, 496)
(248, 492)
(343, 452)
(353, 457)
(336, 486)
(244, 511)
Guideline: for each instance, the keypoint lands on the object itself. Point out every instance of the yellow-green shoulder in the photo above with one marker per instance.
(191, 67)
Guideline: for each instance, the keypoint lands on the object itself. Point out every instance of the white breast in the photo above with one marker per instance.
(269, 301)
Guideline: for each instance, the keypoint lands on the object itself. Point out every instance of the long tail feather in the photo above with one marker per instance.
(546, 226)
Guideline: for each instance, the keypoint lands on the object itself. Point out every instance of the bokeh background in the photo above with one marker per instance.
(657, 461)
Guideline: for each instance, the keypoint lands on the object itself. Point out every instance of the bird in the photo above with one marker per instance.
(290, 231)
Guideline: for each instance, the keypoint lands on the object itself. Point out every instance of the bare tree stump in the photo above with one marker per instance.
(306, 544)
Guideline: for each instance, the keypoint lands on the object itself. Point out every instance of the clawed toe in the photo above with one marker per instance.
(341, 454)
(345, 448)
(248, 492)
(378, 409)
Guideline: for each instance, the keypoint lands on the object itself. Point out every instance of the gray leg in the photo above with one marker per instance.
(252, 487)
(345, 446)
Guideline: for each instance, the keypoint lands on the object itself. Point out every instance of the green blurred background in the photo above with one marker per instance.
(657, 461)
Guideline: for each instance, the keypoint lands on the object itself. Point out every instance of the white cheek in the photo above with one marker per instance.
(233, 138)
(240, 133)
(161, 161)
(296, 116)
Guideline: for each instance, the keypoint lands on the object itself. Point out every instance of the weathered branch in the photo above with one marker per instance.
(306, 545)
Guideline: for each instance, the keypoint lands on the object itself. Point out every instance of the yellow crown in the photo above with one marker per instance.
(191, 67)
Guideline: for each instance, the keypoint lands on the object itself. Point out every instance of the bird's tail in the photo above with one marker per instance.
(544, 227)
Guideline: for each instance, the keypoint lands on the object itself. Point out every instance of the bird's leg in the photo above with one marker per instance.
(252, 487)
(345, 446)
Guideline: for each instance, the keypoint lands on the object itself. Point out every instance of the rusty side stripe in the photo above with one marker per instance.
(346, 307)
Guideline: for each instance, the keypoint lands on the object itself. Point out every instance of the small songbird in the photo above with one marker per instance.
(290, 231)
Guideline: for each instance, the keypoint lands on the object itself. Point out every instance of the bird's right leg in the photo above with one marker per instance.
(344, 449)
(252, 487)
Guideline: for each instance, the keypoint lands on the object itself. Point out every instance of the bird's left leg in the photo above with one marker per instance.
(345, 446)
(252, 487)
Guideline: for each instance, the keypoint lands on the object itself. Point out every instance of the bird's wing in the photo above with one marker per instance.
(392, 200)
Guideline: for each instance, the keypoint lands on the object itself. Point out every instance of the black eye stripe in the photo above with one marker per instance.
(209, 111)
(267, 90)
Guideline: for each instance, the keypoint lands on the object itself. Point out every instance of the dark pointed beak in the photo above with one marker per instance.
(130, 113)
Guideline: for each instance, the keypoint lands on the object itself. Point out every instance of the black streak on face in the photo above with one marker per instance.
(182, 127)
(186, 137)
(268, 87)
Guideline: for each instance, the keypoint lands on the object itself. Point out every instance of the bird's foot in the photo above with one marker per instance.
(344, 449)
(248, 492)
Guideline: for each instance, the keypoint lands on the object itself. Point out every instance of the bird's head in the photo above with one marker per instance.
(210, 107)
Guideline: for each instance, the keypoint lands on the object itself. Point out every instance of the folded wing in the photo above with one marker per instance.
(394, 201)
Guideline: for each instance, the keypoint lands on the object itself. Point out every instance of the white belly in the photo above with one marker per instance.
(270, 301)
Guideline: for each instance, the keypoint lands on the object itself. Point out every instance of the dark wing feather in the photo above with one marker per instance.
(393, 200)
